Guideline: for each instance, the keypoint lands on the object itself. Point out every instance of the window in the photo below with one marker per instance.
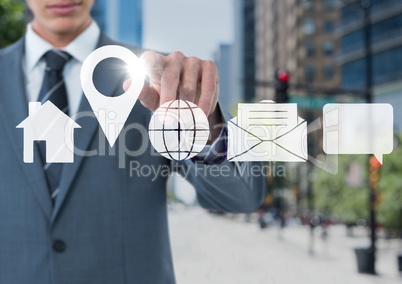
(329, 72)
(351, 12)
(309, 73)
(388, 27)
(353, 40)
(308, 26)
(387, 66)
(310, 48)
(329, 4)
(329, 27)
(353, 74)
(308, 5)
(328, 47)
(381, 2)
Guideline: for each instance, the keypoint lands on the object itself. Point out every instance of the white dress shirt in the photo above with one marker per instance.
(34, 65)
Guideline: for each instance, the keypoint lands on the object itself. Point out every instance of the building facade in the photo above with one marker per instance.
(120, 19)
(385, 40)
(244, 50)
(224, 59)
(298, 36)
(275, 41)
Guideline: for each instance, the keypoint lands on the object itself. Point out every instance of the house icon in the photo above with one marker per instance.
(48, 123)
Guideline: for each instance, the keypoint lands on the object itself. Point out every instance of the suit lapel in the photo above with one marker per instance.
(83, 137)
(14, 109)
(82, 141)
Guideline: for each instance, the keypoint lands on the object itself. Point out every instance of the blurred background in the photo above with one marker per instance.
(314, 226)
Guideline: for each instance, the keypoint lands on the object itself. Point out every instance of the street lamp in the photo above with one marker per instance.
(366, 6)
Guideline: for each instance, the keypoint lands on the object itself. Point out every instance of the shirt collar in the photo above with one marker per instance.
(85, 43)
(79, 48)
(35, 47)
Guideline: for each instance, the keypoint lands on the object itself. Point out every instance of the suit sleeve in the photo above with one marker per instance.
(228, 186)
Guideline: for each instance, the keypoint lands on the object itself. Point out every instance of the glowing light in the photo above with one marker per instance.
(137, 70)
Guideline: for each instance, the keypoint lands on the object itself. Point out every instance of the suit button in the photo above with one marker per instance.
(59, 246)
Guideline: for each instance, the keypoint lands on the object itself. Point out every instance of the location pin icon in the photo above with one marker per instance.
(112, 112)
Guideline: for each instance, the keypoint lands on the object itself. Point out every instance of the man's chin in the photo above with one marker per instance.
(67, 27)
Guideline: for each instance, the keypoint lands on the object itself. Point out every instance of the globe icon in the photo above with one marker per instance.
(178, 130)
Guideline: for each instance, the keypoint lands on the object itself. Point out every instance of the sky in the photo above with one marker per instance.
(195, 28)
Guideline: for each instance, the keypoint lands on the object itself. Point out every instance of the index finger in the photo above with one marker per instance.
(209, 78)
(171, 77)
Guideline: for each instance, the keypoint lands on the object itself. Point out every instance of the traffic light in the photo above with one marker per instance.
(374, 172)
(281, 86)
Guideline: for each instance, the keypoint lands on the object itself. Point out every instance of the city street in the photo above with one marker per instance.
(212, 249)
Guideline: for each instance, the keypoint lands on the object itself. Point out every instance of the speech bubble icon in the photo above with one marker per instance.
(112, 112)
(358, 129)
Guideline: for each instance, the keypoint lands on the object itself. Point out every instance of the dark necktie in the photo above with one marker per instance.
(53, 89)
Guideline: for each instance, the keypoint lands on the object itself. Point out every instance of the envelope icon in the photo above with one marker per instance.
(267, 132)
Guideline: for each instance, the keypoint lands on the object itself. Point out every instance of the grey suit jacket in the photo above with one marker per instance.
(109, 223)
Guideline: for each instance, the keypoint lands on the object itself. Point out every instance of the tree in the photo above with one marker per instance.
(349, 203)
(333, 195)
(390, 191)
(12, 22)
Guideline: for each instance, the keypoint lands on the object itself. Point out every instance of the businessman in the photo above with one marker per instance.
(92, 221)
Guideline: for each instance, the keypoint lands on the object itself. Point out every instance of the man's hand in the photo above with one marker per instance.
(176, 76)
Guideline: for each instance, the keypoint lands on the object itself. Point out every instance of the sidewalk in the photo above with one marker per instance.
(211, 249)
